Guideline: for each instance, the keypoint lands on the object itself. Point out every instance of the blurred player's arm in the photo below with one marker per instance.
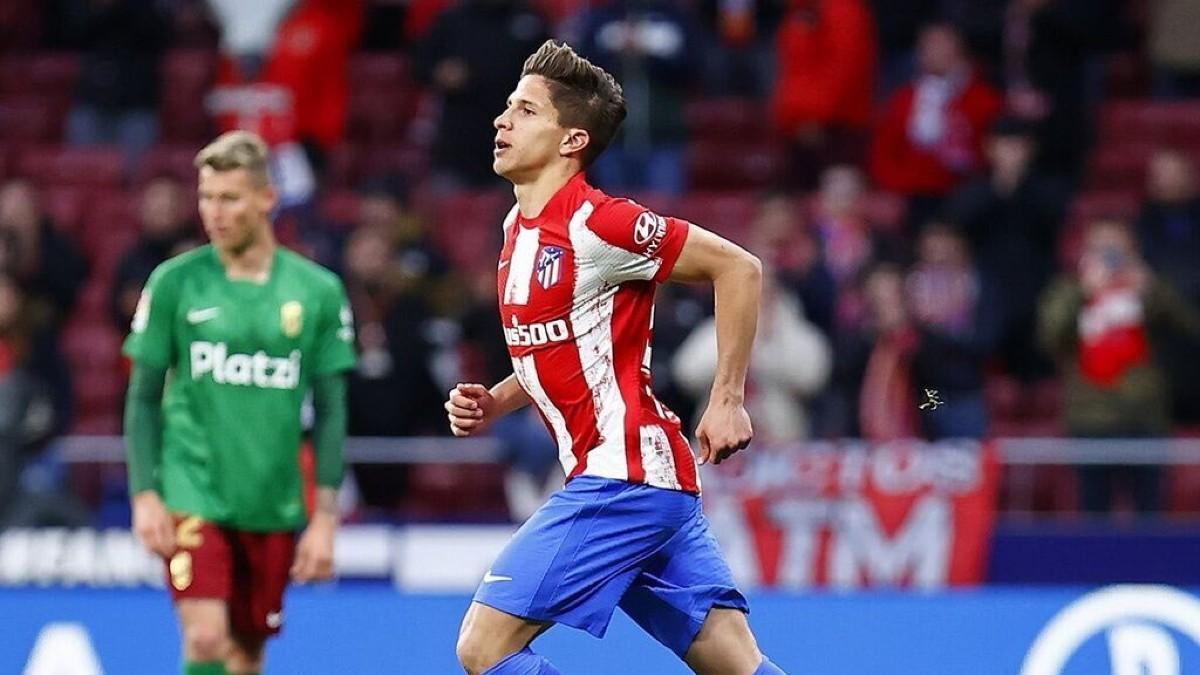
(143, 442)
(472, 407)
(736, 276)
(314, 553)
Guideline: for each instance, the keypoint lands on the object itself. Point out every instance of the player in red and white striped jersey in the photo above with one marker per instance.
(576, 282)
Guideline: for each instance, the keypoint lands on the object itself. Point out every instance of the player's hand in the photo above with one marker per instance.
(314, 553)
(153, 524)
(723, 430)
(469, 408)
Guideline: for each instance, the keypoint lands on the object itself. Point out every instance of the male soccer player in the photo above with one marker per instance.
(576, 279)
(235, 333)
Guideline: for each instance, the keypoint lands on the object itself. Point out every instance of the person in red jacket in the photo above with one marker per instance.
(929, 137)
(823, 102)
(296, 94)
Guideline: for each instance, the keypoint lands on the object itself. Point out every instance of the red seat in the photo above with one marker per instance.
(1119, 166)
(350, 164)
(50, 74)
(381, 114)
(67, 205)
(724, 118)
(168, 159)
(91, 345)
(1150, 122)
(30, 119)
(187, 76)
(729, 214)
(733, 165)
(99, 392)
(340, 207)
(377, 69)
(467, 227)
(455, 491)
(89, 423)
(93, 305)
(95, 166)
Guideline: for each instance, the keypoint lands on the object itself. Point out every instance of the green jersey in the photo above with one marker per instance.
(240, 356)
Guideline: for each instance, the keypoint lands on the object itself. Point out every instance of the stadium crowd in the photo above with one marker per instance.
(993, 199)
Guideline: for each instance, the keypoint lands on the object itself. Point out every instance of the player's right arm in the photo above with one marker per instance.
(150, 346)
(471, 408)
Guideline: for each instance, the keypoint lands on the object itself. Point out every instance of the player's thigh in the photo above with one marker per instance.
(725, 645)
(673, 596)
(261, 572)
(488, 634)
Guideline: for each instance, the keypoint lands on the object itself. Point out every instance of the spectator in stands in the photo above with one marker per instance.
(166, 230)
(740, 55)
(790, 364)
(1012, 218)
(652, 48)
(1174, 49)
(27, 419)
(1102, 324)
(898, 22)
(786, 241)
(824, 95)
(469, 58)
(391, 390)
(1168, 230)
(955, 312)
(929, 138)
(873, 393)
(850, 243)
(283, 75)
(421, 268)
(117, 95)
(50, 270)
(1049, 46)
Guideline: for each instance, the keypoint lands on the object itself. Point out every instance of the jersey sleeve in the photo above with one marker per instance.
(151, 338)
(335, 335)
(631, 242)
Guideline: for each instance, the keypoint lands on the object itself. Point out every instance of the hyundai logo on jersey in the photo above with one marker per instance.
(549, 266)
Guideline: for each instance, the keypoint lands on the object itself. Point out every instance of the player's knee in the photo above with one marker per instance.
(474, 652)
(206, 642)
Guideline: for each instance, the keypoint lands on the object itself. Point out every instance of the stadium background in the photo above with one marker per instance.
(819, 135)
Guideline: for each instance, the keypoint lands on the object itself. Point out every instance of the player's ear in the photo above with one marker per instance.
(574, 141)
(269, 197)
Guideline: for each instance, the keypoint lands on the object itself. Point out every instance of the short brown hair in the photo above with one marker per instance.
(237, 150)
(585, 95)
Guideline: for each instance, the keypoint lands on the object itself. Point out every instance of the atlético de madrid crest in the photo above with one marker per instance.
(549, 266)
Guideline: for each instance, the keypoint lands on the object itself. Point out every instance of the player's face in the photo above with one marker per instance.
(234, 207)
(528, 135)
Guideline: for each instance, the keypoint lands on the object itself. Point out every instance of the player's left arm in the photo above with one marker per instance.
(736, 276)
(314, 553)
(334, 356)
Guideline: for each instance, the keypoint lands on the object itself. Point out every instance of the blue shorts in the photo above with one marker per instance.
(599, 544)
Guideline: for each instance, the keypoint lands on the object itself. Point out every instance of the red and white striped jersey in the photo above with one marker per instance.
(576, 287)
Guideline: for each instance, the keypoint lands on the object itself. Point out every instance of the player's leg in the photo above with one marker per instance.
(245, 655)
(261, 565)
(570, 563)
(198, 575)
(495, 642)
(685, 598)
(725, 646)
(204, 624)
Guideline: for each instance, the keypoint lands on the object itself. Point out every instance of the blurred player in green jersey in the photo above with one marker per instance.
(226, 342)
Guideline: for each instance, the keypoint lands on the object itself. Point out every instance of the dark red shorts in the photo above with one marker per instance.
(248, 570)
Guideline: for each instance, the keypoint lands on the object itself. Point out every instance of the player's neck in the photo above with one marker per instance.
(252, 263)
(532, 196)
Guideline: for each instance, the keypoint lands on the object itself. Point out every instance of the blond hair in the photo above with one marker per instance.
(237, 150)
